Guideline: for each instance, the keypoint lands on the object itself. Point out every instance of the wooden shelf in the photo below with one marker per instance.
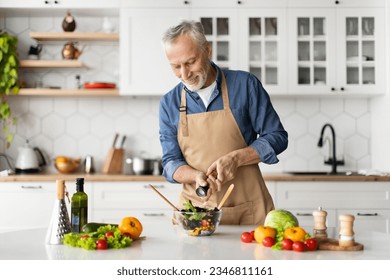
(76, 36)
(51, 64)
(68, 92)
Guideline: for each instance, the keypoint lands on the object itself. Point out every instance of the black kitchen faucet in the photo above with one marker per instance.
(332, 160)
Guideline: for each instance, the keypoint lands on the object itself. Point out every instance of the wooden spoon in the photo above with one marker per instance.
(229, 190)
(163, 197)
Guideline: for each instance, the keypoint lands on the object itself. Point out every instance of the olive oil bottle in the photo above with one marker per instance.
(79, 207)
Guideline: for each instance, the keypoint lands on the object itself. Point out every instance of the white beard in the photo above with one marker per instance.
(202, 80)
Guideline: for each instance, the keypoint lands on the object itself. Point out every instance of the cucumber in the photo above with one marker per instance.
(92, 227)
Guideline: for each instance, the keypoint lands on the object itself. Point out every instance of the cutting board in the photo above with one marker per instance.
(333, 245)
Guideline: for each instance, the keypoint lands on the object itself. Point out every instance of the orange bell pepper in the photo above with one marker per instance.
(131, 226)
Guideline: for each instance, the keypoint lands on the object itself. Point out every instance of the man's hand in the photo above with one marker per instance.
(203, 180)
(224, 169)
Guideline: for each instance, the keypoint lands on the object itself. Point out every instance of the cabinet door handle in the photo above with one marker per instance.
(304, 214)
(154, 214)
(31, 187)
(367, 214)
(156, 186)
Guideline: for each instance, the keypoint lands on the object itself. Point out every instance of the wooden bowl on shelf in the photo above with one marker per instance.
(66, 164)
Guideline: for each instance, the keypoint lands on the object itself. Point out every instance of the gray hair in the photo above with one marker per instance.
(186, 27)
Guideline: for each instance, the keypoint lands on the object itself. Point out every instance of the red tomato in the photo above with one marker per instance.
(246, 237)
(108, 234)
(298, 246)
(253, 234)
(84, 237)
(287, 244)
(101, 244)
(268, 241)
(311, 244)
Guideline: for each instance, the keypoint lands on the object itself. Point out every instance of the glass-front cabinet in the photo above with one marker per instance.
(336, 50)
(263, 47)
(220, 26)
(362, 50)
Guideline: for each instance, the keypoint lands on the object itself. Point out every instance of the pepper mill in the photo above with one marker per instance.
(346, 237)
(319, 230)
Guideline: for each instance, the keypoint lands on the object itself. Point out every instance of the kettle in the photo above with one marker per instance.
(29, 159)
(70, 51)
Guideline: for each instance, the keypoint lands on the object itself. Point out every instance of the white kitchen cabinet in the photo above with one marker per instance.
(58, 4)
(262, 36)
(144, 67)
(231, 27)
(221, 30)
(336, 48)
(26, 205)
(369, 202)
(114, 200)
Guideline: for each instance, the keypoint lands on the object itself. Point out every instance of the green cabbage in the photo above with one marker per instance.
(280, 220)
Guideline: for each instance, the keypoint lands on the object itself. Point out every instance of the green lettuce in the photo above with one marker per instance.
(87, 241)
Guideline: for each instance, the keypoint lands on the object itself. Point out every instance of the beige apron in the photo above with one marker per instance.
(205, 137)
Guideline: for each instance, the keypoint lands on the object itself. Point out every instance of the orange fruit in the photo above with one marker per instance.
(262, 232)
(295, 234)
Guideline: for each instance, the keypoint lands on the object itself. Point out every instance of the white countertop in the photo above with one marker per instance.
(164, 242)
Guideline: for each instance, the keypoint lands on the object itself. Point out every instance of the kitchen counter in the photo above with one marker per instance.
(163, 241)
(98, 177)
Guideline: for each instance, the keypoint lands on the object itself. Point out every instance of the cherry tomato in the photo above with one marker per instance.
(108, 234)
(253, 234)
(84, 237)
(246, 237)
(101, 244)
(298, 246)
(268, 241)
(311, 244)
(287, 244)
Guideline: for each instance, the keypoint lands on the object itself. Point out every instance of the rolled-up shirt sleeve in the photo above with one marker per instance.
(272, 138)
(172, 156)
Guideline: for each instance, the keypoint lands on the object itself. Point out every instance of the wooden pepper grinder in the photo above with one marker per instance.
(346, 237)
(319, 230)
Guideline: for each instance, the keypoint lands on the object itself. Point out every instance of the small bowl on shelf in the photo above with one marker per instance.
(200, 223)
(66, 165)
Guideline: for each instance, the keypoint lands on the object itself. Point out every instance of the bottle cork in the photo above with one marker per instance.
(319, 229)
(346, 237)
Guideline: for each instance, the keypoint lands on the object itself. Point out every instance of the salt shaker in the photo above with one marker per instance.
(346, 237)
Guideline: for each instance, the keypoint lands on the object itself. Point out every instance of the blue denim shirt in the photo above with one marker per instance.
(251, 107)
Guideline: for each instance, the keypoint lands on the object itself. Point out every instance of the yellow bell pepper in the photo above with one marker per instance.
(131, 226)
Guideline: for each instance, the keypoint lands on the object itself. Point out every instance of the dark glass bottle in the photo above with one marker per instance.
(79, 207)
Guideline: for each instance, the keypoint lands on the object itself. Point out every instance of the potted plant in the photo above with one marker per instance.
(9, 64)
